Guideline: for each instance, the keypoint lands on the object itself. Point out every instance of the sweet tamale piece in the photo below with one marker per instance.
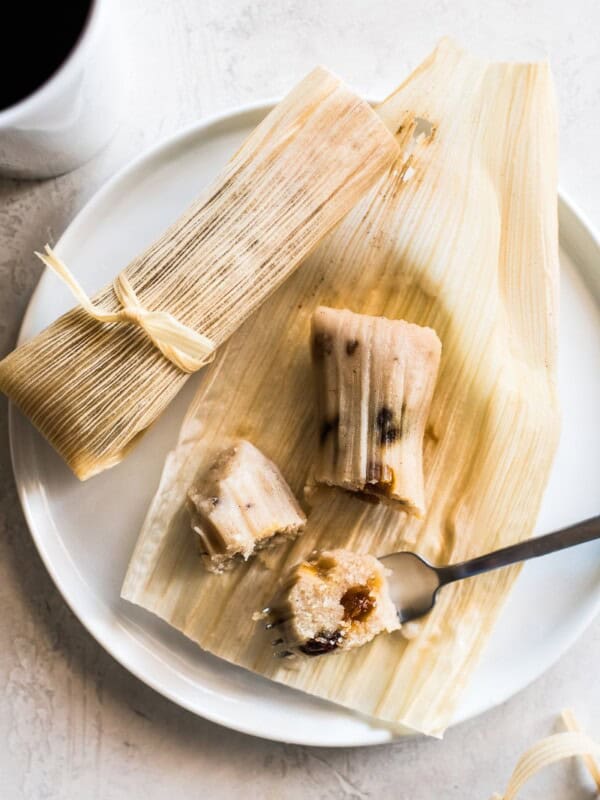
(241, 504)
(375, 380)
(335, 601)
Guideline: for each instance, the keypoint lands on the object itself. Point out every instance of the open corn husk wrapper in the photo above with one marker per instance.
(461, 237)
(92, 385)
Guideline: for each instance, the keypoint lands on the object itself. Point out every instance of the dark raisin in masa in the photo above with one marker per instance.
(322, 643)
(322, 345)
(387, 430)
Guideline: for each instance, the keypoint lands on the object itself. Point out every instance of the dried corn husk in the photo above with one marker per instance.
(467, 245)
(552, 749)
(93, 388)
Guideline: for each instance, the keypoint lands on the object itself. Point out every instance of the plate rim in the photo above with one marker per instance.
(565, 205)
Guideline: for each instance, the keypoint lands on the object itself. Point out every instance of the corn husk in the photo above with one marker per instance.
(93, 388)
(463, 240)
(552, 749)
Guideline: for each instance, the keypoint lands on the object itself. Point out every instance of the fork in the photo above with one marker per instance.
(414, 583)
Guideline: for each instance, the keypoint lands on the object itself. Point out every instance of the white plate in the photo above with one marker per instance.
(85, 532)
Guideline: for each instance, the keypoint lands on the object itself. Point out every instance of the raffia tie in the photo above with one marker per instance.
(181, 345)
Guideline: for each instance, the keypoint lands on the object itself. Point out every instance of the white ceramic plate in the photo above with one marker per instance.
(85, 532)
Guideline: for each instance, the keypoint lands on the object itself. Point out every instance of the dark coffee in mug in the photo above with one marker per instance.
(41, 37)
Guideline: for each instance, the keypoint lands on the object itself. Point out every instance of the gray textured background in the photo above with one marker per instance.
(73, 723)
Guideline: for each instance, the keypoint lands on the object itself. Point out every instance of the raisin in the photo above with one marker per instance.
(358, 602)
(328, 427)
(322, 345)
(322, 566)
(323, 642)
(384, 417)
(384, 421)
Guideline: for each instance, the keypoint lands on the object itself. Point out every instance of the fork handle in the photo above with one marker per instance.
(582, 532)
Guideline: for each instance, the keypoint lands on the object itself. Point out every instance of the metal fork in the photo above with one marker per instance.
(415, 583)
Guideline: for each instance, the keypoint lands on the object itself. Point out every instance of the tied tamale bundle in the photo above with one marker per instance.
(91, 385)
(463, 239)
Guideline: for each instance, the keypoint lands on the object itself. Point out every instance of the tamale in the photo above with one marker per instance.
(240, 505)
(93, 388)
(465, 243)
(375, 379)
(335, 601)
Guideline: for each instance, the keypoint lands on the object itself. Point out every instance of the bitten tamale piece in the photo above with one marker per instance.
(375, 380)
(240, 505)
(337, 600)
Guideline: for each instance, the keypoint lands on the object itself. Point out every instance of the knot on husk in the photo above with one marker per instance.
(181, 345)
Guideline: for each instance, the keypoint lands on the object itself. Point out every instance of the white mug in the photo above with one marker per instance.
(74, 113)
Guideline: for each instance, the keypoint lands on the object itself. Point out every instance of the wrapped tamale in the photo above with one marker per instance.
(93, 387)
(462, 240)
(375, 380)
